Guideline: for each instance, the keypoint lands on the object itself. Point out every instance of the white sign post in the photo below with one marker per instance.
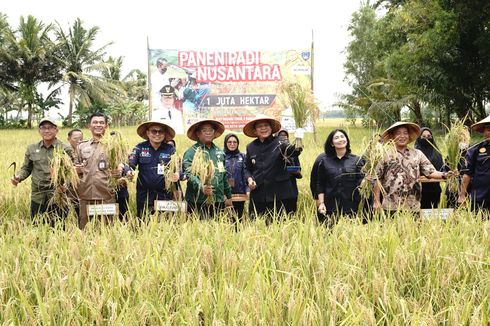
(103, 209)
(436, 213)
(170, 206)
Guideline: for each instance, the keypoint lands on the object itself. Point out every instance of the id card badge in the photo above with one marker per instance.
(160, 169)
(102, 165)
(221, 167)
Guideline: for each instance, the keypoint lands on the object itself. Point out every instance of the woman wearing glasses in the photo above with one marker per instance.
(150, 157)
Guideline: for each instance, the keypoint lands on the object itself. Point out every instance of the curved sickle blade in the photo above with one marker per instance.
(14, 165)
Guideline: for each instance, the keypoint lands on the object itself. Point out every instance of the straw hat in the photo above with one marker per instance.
(219, 128)
(142, 128)
(480, 125)
(249, 128)
(413, 130)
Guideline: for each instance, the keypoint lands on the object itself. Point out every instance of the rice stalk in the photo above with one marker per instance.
(117, 150)
(302, 102)
(64, 177)
(457, 135)
(203, 168)
(172, 173)
(375, 152)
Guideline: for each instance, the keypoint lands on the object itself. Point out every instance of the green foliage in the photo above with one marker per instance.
(432, 53)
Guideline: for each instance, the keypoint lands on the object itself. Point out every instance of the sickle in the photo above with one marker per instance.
(14, 165)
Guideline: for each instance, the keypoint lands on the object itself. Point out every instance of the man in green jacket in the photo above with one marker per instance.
(37, 165)
(207, 199)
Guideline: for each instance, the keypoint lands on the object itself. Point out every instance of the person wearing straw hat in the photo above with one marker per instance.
(476, 174)
(207, 199)
(36, 164)
(269, 181)
(150, 157)
(399, 176)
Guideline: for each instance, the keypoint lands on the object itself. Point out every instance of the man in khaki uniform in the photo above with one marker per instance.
(37, 165)
(93, 169)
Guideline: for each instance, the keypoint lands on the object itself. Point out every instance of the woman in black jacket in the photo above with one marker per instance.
(271, 190)
(431, 191)
(339, 176)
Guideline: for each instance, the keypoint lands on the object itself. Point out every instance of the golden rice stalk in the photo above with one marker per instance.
(172, 172)
(301, 100)
(457, 134)
(203, 168)
(375, 153)
(63, 177)
(117, 150)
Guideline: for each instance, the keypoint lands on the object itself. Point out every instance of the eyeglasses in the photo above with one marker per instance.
(156, 131)
(47, 127)
(207, 131)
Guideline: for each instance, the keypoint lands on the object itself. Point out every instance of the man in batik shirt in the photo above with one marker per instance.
(399, 175)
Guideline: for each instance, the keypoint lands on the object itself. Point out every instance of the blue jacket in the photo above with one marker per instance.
(235, 169)
(150, 185)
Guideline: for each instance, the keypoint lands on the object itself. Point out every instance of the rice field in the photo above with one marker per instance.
(185, 271)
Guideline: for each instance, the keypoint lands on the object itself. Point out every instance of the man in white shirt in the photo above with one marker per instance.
(166, 112)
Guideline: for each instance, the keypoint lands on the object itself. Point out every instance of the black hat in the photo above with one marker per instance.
(167, 90)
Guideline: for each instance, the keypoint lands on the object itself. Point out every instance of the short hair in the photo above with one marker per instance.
(97, 114)
(329, 149)
(72, 131)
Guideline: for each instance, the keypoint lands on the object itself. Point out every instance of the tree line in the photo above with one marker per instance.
(428, 57)
(36, 56)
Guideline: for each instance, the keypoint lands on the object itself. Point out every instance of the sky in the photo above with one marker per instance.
(210, 25)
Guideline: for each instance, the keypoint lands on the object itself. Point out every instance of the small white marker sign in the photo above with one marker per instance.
(103, 209)
(170, 206)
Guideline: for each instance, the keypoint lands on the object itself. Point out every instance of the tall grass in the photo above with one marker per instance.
(292, 271)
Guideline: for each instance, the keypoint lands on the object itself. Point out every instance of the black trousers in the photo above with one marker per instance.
(54, 211)
(278, 206)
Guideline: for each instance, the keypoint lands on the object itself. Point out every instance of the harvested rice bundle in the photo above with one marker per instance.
(456, 140)
(203, 168)
(375, 153)
(63, 177)
(172, 173)
(117, 150)
(300, 99)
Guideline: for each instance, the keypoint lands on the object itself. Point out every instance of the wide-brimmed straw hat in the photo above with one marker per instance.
(413, 130)
(142, 128)
(249, 128)
(480, 125)
(219, 128)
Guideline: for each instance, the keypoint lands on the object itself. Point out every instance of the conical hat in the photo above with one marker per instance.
(249, 128)
(142, 128)
(480, 125)
(413, 130)
(219, 128)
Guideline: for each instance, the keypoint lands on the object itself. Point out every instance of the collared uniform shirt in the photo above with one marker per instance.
(171, 117)
(221, 188)
(150, 185)
(94, 182)
(339, 180)
(37, 165)
(478, 168)
(399, 177)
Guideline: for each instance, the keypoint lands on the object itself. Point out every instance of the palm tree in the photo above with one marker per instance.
(27, 58)
(83, 65)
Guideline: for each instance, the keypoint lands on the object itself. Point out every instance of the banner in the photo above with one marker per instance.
(229, 86)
